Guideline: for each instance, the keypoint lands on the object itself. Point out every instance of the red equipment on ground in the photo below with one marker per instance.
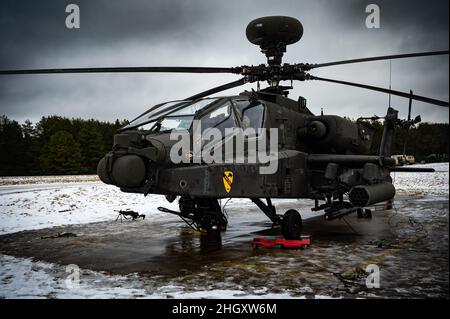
(301, 243)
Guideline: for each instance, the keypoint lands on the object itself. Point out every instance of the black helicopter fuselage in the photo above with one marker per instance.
(318, 157)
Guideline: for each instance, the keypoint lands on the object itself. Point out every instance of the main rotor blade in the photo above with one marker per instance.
(388, 91)
(378, 58)
(125, 70)
(219, 89)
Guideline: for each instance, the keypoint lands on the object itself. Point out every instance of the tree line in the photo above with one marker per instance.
(57, 145)
(54, 146)
(421, 140)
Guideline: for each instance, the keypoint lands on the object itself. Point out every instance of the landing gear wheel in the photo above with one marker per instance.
(291, 225)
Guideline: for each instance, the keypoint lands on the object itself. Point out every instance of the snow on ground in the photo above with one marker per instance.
(41, 202)
(18, 180)
(436, 183)
(24, 278)
(24, 207)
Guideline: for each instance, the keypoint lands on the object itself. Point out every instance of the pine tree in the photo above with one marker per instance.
(92, 149)
(13, 148)
(62, 155)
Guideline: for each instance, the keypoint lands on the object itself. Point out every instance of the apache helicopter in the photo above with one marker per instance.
(320, 157)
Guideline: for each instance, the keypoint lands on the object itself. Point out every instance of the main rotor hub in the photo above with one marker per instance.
(273, 34)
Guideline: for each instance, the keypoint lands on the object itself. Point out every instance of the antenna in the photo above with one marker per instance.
(390, 81)
(410, 104)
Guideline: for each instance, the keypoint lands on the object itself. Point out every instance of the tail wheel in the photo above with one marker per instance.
(291, 225)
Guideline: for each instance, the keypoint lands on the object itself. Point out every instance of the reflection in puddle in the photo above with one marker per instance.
(191, 242)
(211, 241)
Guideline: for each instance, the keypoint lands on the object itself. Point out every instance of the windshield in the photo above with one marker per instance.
(176, 114)
(153, 113)
(250, 113)
(175, 122)
(220, 118)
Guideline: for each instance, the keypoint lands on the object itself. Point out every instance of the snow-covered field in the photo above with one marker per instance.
(40, 202)
(423, 183)
(24, 278)
(25, 207)
(20, 180)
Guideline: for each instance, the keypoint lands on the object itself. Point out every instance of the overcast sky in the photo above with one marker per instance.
(212, 33)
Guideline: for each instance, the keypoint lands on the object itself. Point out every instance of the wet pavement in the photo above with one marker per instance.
(409, 244)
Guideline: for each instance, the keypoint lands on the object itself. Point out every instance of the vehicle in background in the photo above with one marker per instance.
(401, 160)
(410, 159)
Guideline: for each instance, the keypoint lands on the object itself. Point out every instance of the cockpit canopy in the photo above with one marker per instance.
(220, 113)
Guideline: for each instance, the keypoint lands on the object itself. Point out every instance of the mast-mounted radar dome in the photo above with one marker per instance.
(272, 34)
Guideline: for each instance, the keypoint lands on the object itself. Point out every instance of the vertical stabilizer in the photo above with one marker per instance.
(388, 132)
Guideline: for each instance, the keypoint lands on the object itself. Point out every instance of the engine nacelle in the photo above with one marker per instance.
(340, 135)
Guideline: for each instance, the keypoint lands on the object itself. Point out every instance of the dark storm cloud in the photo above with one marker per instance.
(416, 22)
(211, 33)
(30, 29)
